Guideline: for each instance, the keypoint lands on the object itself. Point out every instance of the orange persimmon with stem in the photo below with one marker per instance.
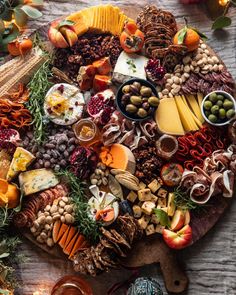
(20, 46)
(131, 39)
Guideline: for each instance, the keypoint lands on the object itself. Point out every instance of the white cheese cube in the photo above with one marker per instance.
(154, 219)
(150, 230)
(162, 193)
(159, 229)
(147, 207)
(154, 198)
(171, 204)
(142, 185)
(137, 211)
(144, 195)
(143, 221)
(132, 196)
(154, 185)
(162, 202)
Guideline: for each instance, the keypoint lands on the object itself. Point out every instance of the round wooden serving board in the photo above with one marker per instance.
(153, 249)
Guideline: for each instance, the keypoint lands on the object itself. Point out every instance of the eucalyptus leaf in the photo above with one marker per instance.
(31, 11)
(162, 217)
(182, 34)
(4, 255)
(66, 22)
(21, 17)
(4, 292)
(221, 22)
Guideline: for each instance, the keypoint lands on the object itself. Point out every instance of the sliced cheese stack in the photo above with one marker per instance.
(68, 238)
(178, 115)
(99, 19)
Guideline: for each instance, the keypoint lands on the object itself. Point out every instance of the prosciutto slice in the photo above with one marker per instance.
(217, 176)
(132, 134)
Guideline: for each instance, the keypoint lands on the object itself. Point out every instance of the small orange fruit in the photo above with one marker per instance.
(191, 39)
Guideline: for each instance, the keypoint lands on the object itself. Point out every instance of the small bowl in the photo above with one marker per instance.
(226, 95)
(120, 93)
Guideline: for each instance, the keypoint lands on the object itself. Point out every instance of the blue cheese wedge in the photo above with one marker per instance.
(37, 180)
(63, 104)
(129, 66)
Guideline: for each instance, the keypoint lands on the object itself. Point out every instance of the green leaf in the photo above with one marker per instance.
(162, 216)
(18, 208)
(31, 11)
(221, 22)
(4, 292)
(4, 255)
(20, 17)
(65, 22)
(182, 35)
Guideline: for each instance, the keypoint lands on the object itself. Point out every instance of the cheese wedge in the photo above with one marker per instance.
(71, 234)
(185, 115)
(200, 99)
(70, 246)
(195, 107)
(64, 227)
(21, 160)
(77, 245)
(167, 117)
(119, 156)
(64, 238)
(195, 118)
(37, 180)
(56, 230)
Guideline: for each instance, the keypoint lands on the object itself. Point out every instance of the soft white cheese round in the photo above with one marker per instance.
(63, 104)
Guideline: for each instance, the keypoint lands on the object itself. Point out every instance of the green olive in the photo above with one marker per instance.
(137, 85)
(130, 108)
(142, 113)
(230, 113)
(228, 104)
(145, 91)
(207, 105)
(219, 103)
(213, 97)
(220, 97)
(215, 110)
(212, 118)
(222, 113)
(207, 113)
(136, 100)
(153, 101)
(126, 89)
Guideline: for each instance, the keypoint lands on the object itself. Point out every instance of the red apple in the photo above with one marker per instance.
(187, 217)
(178, 220)
(62, 34)
(178, 240)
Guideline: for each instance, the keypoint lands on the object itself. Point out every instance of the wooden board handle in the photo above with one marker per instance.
(175, 279)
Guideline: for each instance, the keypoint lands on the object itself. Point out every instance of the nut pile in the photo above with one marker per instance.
(100, 175)
(138, 100)
(200, 62)
(55, 153)
(61, 209)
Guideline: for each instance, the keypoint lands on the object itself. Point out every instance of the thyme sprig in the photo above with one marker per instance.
(183, 201)
(87, 226)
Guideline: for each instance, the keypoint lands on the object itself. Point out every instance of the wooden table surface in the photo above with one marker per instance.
(211, 263)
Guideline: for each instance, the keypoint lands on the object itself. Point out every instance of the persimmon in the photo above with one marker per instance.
(188, 37)
(131, 39)
(20, 46)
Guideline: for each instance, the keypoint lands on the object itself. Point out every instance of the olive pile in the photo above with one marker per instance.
(138, 100)
(218, 108)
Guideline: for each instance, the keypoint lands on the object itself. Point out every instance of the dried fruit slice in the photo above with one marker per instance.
(70, 236)
(70, 246)
(64, 238)
(56, 230)
(63, 229)
(77, 246)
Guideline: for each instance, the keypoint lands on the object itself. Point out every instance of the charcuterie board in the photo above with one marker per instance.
(123, 169)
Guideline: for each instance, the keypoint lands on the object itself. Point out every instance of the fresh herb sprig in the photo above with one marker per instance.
(87, 226)
(132, 66)
(183, 201)
(38, 87)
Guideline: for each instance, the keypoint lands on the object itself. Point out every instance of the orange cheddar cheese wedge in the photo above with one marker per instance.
(64, 238)
(62, 230)
(71, 234)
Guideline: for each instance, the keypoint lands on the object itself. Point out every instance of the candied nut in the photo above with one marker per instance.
(200, 62)
(194, 63)
(53, 209)
(186, 59)
(33, 229)
(56, 217)
(168, 75)
(43, 235)
(68, 218)
(176, 80)
(165, 92)
(221, 67)
(206, 51)
(197, 70)
(39, 239)
(170, 81)
(65, 199)
(41, 219)
(47, 227)
(204, 60)
(62, 204)
(198, 57)
(178, 75)
(94, 181)
(61, 210)
(48, 207)
(171, 95)
(36, 224)
(205, 68)
(68, 208)
(187, 69)
(46, 214)
(49, 219)
(203, 46)
(63, 220)
(191, 67)
(215, 68)
(160, 95)
(50, 242)
(215, 59)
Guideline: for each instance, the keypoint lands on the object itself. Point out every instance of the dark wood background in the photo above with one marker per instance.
(211, 263)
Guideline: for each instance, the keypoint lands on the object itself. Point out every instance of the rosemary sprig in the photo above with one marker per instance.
(38, 87)
(183, 201)
(88, 227)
